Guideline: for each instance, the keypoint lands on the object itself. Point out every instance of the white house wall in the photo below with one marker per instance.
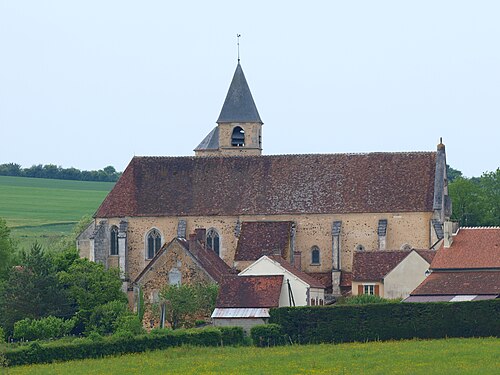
(405, 277)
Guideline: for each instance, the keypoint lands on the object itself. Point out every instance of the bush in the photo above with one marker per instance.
(267, 335)
(363, 299)
(232, 335)
(391, 321)
(104, 318)
(42, 329)
(2, 335)
(128, 323)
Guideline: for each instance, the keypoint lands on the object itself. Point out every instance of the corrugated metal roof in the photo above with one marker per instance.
(240, 313)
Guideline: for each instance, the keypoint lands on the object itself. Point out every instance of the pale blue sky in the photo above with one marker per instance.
(93, 83)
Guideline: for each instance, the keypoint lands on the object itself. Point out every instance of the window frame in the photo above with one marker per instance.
(157, 242)
(210, 240)
(315, 249)
(114, 246)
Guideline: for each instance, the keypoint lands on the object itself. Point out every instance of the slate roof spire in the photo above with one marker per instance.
(239, 105)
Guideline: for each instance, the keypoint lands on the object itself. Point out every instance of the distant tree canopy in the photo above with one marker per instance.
(57, 172)
(476, 200)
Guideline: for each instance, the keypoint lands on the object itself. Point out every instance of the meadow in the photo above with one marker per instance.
(447, 356)
(43, 210)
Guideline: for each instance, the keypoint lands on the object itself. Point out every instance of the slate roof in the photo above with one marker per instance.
(460, 283)
(263, 238)
(249, 291)
(282, 184)
(313, 282)
(375, 265)
(239, 105)
(208, 260)
(472, 248)
(210, 142)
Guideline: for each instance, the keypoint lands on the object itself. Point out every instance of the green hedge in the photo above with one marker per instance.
(389, 321)
(114, 345)
(232, 335)
(267, 335)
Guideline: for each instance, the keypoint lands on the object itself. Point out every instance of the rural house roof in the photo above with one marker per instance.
(263, 238)
(460, 283)
(375, 265)
(249, 291)
(283, 184)
(472, 248)
(208, 260)
(309, 279)
(239, 105)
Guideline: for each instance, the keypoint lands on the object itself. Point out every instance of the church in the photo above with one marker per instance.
(313, 210)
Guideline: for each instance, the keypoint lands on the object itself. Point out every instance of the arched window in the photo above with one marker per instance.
(360, 248)
(114, 241)
(213, 240)
(238, 137)
(315, 255)
(153, 243)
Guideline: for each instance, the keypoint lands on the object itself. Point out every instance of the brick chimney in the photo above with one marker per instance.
(201, 236)
(297, 260)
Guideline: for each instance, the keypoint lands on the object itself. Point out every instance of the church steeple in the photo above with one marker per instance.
(239, 105)
(239, 127)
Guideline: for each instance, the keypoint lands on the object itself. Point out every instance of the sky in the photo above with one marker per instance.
(88, 84)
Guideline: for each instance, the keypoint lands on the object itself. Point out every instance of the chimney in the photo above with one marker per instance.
(297, 260)
(192, 243)
(201, 236)
(448, 233)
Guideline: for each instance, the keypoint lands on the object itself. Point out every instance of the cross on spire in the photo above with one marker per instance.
(238, 43)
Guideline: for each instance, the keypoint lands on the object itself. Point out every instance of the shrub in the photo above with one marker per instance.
(232, 335)
(390, 321)
(104, 317)
(42, 329)
(363, 299)
(2, 335)
(267, 335)
(128, 323)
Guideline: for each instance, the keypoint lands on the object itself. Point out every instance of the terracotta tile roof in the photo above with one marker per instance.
(346, 279)
(263, 238)
(325, 278)
(428, 255)
(250, 291)
(208, 260)
(281, 184)
(471, 248)
(375, 265)
(460, 282)
(312, 281)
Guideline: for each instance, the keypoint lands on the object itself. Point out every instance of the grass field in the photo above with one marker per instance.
(450, 356)
(43, 210)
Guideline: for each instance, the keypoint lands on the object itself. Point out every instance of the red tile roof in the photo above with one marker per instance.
(281, 184)
(313, 282)
(249, 291)
(375, 265)
(471, 248)
(263, 238)
(325, 278)
(460, 282)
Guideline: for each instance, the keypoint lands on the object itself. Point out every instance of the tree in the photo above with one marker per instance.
(467, 203)
(7, 249)
(490, 185)
(32, 291)
(452, 173)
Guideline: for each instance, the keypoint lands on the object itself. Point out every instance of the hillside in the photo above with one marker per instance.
(44, 210)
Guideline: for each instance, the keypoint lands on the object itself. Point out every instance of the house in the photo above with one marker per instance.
(466, 267)
(178, 262)
(325, 206)
(245, 301)
(389, 274)
(298, 289)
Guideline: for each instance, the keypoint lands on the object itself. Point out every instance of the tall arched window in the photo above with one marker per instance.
(213, 240)
(114, 241)
(153, 243)
(315, 255)
(238, 137)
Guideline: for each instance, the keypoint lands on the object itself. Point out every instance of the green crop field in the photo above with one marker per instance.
(450, 356)
(43, 210)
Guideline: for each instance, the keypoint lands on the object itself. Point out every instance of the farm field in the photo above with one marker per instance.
(44, 210)
(447, 356)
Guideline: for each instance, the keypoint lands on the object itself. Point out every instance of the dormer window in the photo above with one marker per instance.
(238, 137)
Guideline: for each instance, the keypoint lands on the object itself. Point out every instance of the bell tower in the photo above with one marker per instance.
(239, 127)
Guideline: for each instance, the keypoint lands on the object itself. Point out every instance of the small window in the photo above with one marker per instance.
(213, 240)
(114, 241)
(238, 137)
(315, 255)
(406, 247)
(360, 248)
(369, 289)
(153, 243)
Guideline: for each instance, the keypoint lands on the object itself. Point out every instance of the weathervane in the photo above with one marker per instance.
(238, 39)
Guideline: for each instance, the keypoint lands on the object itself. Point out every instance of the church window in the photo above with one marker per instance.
(238, 137)
(114, 241)
(315, 255)
(213, 240)
(153, 243)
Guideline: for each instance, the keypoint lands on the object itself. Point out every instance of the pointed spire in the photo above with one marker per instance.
(239, 105)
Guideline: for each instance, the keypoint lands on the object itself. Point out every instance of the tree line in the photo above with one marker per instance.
(52, 171)
(475, 200)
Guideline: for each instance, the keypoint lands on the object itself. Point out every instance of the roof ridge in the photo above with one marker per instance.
(484, 227)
